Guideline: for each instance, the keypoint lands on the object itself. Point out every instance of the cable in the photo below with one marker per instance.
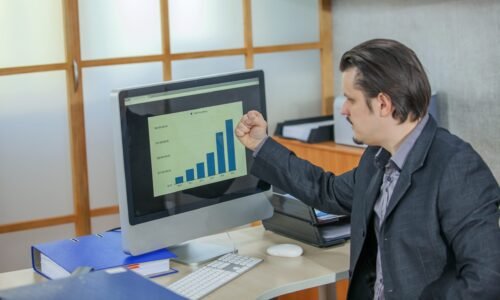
(232, 243)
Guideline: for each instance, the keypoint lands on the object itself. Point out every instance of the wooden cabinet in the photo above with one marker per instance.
(331, 157)
(327, 155)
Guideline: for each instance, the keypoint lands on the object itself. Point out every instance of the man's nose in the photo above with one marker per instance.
(344, 111)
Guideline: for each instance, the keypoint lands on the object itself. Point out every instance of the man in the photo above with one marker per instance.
(423, 204)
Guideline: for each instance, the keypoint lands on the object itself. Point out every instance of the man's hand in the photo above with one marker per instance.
(251, 129)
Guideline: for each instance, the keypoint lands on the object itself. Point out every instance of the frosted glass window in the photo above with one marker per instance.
(31, 32)
(197, 25)
(35, 172)
(119, 28)
(207, 66)
(98, 82)
(280, 22)
(105, 223)
(293, 85)
(15, 245)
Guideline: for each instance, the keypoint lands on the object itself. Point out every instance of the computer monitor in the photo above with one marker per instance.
(181, 172)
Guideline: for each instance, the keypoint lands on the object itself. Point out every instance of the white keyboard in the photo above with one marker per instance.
(210, 277)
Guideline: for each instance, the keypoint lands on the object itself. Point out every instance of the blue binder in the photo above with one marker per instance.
(99, 251)
(119, 284)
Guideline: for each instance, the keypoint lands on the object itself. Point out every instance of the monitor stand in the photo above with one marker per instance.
(195, 253)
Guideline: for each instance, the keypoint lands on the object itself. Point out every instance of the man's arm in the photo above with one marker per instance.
(468, 203)
(278, 166)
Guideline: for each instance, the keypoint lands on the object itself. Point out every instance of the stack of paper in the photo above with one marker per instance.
(336, 232)
(324, 217)
(302, 131)
(152, 268)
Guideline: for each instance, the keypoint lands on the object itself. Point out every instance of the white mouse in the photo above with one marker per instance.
(285, 250)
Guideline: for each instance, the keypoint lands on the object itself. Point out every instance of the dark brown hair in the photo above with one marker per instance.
(387, 66)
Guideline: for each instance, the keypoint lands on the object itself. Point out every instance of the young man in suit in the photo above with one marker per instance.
(424, 206)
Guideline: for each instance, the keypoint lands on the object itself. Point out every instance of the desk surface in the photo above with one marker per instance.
(273, 277)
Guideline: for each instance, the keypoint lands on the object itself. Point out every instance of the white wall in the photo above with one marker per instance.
(458, 42)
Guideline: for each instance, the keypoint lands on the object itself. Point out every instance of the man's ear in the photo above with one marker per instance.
(384, 103)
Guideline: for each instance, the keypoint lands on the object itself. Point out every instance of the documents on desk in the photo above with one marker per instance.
(296, 220)
(333, 232)
(59, 259)
(303, 131)
(310, 130)
(116, 283)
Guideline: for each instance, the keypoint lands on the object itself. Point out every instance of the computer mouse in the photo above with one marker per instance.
(285, 250)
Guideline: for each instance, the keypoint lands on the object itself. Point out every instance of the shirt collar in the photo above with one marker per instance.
(382, 157)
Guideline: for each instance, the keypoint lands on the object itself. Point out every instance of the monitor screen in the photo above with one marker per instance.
(181, 171)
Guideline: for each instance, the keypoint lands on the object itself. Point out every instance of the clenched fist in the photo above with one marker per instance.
(251, 129)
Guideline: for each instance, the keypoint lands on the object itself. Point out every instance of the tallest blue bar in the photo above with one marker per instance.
(231, 159)
(221, 159)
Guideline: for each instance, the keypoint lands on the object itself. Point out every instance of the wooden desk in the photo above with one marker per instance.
(273, 277)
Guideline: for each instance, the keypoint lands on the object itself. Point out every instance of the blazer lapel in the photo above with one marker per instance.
(415, 161)
(403, 184)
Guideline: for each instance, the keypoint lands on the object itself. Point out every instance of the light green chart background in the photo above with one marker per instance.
(179, 141)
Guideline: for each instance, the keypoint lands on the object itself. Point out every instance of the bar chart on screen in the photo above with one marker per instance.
(206, 150)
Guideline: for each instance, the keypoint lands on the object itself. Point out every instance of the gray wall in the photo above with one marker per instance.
(458, 42)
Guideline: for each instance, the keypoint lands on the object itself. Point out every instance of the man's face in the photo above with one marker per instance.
(365, 123)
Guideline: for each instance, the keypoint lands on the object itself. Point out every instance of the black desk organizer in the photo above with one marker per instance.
(295, 220)
(320, 134)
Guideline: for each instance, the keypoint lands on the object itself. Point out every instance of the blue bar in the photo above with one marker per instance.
(231, 160)
(221, 159)
(211, 164)
(189, 174)
(179, 180)
(200, 170)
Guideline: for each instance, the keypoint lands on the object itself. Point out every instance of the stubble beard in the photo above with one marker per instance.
(354, 139)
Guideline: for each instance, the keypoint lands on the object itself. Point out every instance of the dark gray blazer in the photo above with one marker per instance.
(441, 235)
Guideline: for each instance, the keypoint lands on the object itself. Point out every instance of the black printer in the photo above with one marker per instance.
(296, 220)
